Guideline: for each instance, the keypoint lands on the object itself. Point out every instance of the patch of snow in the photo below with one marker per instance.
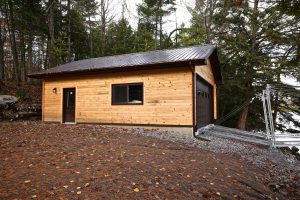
(289, 125)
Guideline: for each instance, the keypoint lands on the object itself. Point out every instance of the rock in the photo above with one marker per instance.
(297, 156)
(294, 150)
(7, 99)
(274, 187)
(284, 193)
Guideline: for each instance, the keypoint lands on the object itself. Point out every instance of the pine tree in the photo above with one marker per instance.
(80, 48)
(255, 44)
(120, 38)
(151, 13)
(88, 10)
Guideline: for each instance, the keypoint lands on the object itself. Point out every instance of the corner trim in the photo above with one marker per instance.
(192, 65)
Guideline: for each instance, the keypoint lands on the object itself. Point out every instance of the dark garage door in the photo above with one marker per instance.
(204, 103)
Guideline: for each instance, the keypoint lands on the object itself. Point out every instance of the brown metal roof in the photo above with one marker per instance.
(184, 54)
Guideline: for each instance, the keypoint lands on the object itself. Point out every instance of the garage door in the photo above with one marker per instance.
(204, 103)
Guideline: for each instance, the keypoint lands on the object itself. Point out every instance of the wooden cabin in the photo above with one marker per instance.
(173, 88)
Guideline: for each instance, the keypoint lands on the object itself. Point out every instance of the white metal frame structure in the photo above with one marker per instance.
(276, 140)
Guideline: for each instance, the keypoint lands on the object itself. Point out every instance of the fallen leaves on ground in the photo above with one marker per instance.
(53, 161)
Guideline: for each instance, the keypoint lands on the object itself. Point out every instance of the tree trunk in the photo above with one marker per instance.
(156, 23)
(30, 55)
(46, 60)
(160, 32)
(103, 26)
(23, 63)
(249, 70)
(2, 41)
(276, 101)
(69, 31)
(51, 62)
(243, 118)
(91, 38)
(11, 26)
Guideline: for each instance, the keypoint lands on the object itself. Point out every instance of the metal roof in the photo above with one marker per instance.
(190, 53)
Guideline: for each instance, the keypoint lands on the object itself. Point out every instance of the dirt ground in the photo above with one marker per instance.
(52, 161)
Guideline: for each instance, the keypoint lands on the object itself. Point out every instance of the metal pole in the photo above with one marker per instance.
(270, 114)
(263, 98)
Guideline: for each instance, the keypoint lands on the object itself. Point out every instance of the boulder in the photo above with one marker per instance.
(294, 150)
(7, 99)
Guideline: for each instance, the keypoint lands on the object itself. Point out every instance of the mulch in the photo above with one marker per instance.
(53, 161)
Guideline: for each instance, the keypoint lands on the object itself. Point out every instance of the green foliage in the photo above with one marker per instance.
(191, 36)
(21, 94)
(97, 42)
(246, 59)
(59, 49)
(291, 10)
(120, 38)
(29, 17)
(256, 46)
(144, 39)
(79, 36)
(151, 14)
(87, 8)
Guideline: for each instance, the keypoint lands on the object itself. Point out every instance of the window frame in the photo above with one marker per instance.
(127, 92)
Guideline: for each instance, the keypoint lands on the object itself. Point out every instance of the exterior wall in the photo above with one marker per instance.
(167, 98)
(206, 73)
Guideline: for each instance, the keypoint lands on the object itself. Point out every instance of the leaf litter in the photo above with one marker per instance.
(49, 156)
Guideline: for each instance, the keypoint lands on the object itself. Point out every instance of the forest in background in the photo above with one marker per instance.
(258, 43)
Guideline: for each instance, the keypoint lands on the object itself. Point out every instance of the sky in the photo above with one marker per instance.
(183, 15)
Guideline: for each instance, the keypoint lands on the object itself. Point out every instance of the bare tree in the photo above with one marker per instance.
(206, 9)
(106, 17)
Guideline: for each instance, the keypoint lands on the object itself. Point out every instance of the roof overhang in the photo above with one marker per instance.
(216, 67)
(169, 65)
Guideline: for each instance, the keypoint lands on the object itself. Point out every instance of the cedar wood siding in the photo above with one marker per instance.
(168, 98)
(205, 71)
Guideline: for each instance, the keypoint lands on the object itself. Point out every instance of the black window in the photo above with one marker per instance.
(131, 93)
(71, 99)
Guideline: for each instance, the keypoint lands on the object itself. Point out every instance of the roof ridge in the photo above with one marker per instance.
(142, 52)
